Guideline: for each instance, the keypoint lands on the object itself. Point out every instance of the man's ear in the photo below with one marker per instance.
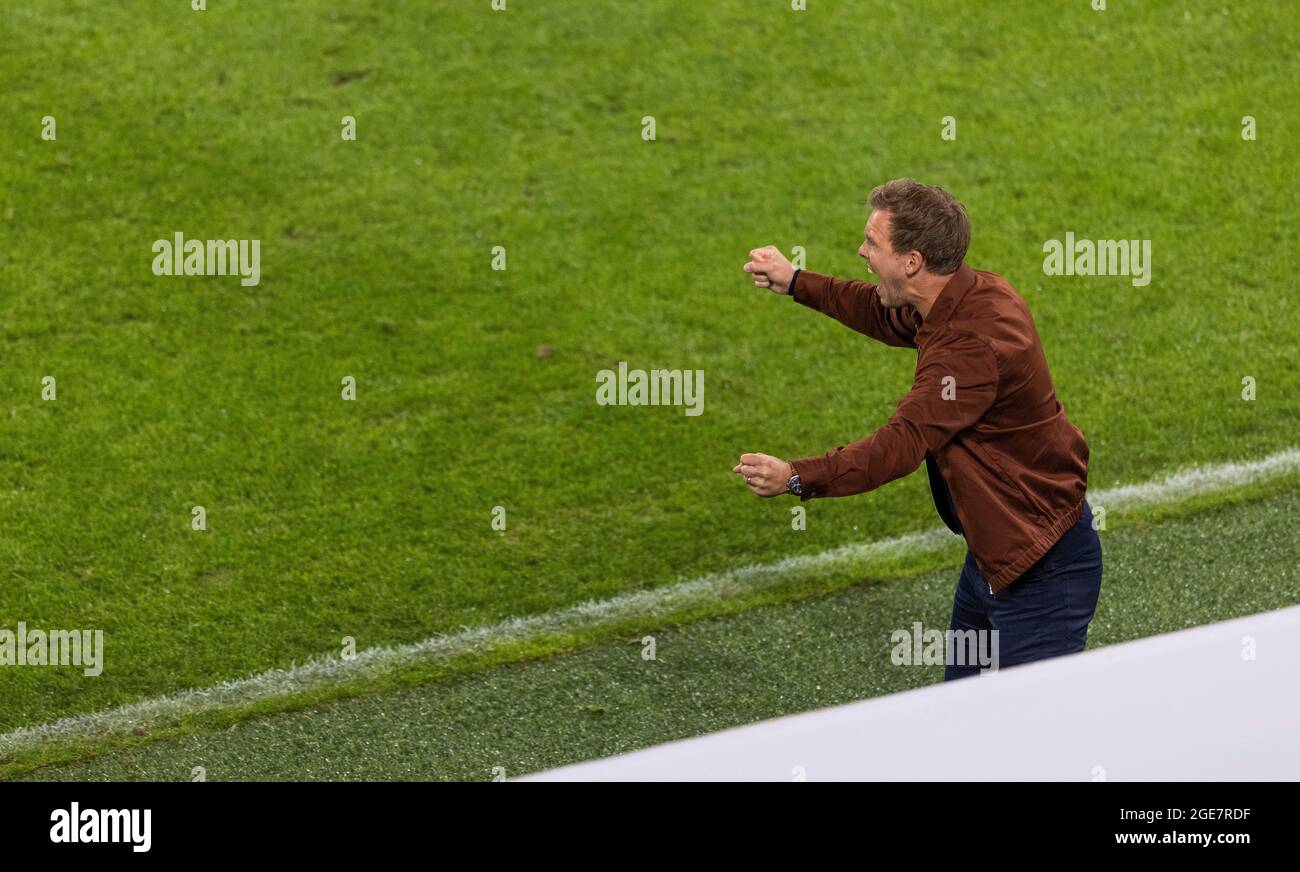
(914, 263)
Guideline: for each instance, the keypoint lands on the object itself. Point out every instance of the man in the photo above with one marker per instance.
(1007, 469)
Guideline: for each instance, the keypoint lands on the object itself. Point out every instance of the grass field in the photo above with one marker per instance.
(711, 674)
(372, 519)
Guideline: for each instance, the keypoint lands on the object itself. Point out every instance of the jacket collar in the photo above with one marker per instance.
(945, 304)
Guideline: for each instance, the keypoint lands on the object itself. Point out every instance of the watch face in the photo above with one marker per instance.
(794, 485)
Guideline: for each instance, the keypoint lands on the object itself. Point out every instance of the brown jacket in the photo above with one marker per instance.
(1007, 469)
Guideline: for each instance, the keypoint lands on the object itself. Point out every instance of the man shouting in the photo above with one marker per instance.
(1008, 471)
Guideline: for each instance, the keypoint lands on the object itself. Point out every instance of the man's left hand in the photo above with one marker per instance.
(765, 475)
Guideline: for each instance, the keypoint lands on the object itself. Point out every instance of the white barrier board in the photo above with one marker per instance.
(1219, 702)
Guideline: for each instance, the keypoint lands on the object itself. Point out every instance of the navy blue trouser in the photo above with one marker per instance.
(1043, 613)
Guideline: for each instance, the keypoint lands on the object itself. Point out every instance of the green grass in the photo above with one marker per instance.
(717, 673)
(372, 519)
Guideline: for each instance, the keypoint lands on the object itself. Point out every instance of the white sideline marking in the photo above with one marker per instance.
(372, 662)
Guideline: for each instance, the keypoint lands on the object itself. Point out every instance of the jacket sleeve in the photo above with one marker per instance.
(956, 382)
(855, 305)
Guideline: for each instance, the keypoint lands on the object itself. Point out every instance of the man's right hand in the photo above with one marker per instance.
(770, 269)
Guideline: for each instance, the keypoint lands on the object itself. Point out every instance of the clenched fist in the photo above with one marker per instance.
(770, 269)
(766, 475)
